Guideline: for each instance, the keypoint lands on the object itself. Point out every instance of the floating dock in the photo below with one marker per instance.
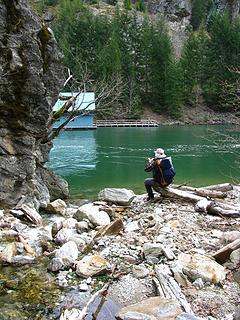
(126, 123)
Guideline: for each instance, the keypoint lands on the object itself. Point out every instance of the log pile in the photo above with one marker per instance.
(203, 198)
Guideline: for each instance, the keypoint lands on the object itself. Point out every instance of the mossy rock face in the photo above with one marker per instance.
(31, 75)
(27, 293)
(43, 291)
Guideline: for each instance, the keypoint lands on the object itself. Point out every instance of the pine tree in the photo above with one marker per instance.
(200, 11)
(192, 62)
(223, 57)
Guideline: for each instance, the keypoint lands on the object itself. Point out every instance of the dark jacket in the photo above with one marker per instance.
(163, 171)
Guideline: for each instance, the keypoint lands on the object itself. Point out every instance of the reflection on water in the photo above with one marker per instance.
(74, 152)
(115, 157)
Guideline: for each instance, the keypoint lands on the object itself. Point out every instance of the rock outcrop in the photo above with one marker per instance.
(30, 78)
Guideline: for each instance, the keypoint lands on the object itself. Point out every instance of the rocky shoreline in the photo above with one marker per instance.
(202, 115)
(154, 260)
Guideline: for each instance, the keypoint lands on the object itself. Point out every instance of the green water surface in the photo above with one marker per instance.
(115, 157)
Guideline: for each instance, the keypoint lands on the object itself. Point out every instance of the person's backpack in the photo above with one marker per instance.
(167, 171)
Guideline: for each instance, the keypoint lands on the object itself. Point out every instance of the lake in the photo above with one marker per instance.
(91, 160)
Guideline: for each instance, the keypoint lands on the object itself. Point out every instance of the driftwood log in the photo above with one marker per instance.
(168, 287)
(223, 254)
(205, 204)
(205, 192)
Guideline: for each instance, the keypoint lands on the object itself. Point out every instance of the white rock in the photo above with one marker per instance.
(69, 223)
(68, 253)
(91, 212)
(117, 195)
(132, 226)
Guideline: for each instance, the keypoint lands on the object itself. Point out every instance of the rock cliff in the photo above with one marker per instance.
(30, 78)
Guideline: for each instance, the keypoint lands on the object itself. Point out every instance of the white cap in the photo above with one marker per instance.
(159, 153)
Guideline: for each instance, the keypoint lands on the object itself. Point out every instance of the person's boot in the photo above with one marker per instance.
(150, 197)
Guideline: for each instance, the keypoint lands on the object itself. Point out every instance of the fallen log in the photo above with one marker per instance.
(175, 193)
(224, 187)
(202, 204)
(217, 208)
(169, 288)
(223, 254)
(205, 192)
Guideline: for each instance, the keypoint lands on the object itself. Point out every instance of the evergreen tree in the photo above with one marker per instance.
(200, 11)
(173, 89)
(192, 64)
(140, 5)
(223, 57)
(109, 58)
(127, 4)
(160, 57)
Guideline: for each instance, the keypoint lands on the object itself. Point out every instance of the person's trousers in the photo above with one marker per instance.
(150, 183)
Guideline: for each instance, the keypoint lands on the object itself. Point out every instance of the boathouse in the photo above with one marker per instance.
(83, 107)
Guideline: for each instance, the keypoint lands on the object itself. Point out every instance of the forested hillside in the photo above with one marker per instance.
(130, 53)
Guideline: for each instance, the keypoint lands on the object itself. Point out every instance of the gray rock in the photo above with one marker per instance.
(187, 316)
(140, 271)
(69, 223)
(30, 52)
(56, 264)
(199, 266)
(155, 308)
(63, 236)
(117, 195)
(236, 315)
(22, 260)
(93, 213)
(129, 290)
(58, 207)
(132, 226)
(1, 214)
(235, 256)
(152, 249)
(68, 253)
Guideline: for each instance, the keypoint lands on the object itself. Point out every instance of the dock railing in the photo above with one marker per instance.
(126, 123)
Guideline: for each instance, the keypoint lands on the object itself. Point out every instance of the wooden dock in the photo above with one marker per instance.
(126, 123)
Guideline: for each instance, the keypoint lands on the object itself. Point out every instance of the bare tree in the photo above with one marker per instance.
(108, 94)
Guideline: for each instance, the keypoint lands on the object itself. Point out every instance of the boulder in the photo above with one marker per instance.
(155, 308)
(119, 196)
(64, 235)
(68, 253)
(93, 213)
(199, 266)
(57, 207)
(8, 253)
(55, 265)
(91, 266)
(129, 290)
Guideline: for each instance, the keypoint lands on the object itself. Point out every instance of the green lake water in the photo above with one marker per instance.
(115, 157)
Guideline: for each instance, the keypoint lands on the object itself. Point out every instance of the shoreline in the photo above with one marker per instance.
(123, 232)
